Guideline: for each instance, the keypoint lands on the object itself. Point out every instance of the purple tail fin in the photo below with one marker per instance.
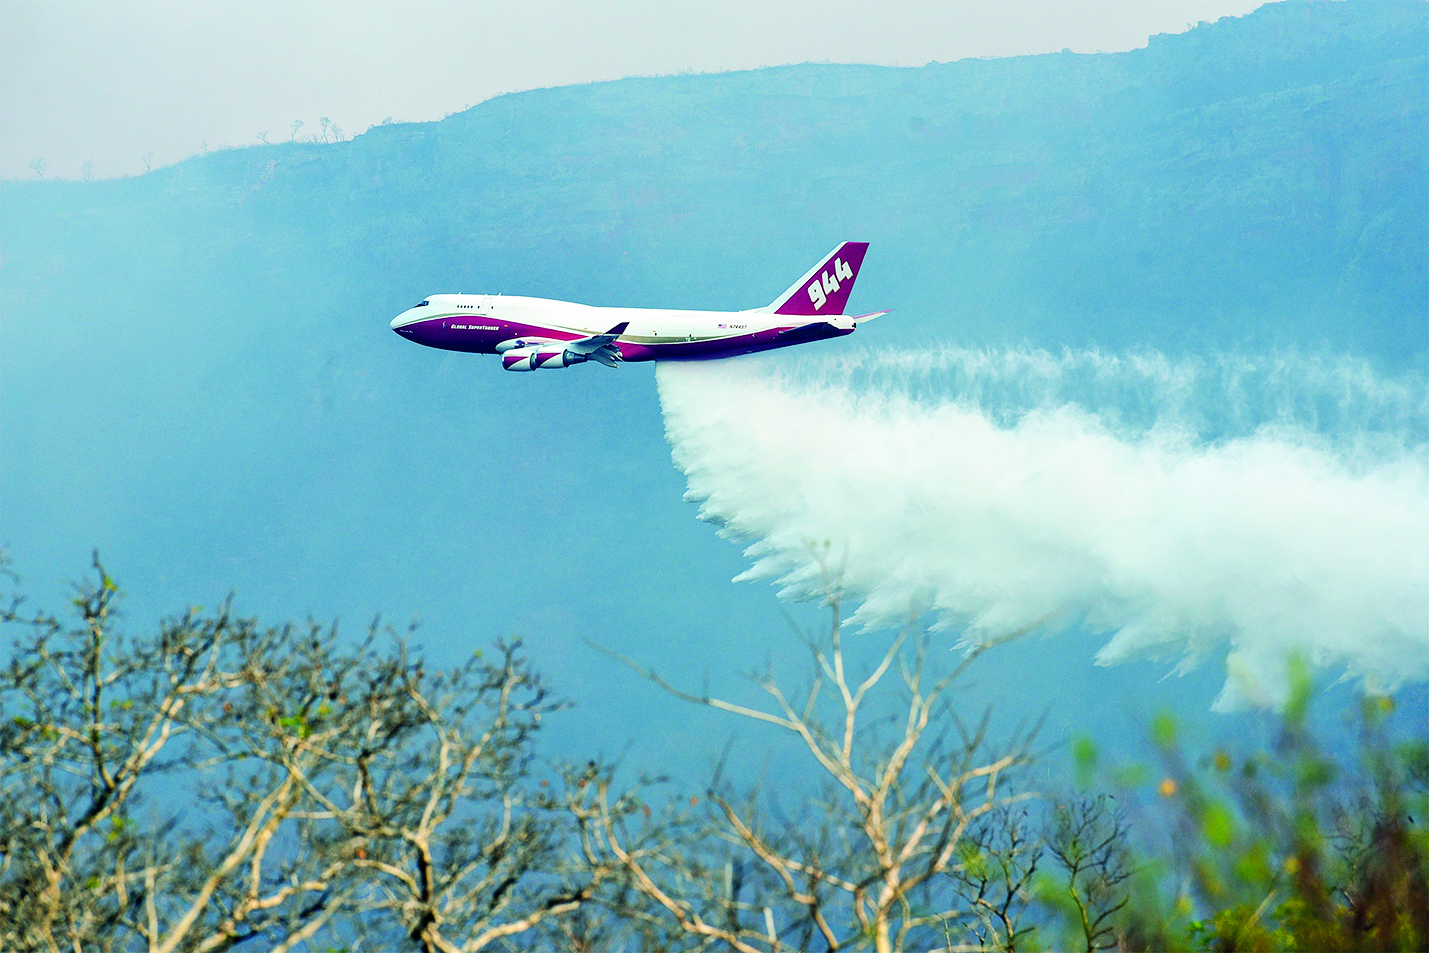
(824, 290)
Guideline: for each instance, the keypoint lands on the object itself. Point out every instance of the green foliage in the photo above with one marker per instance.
(1163, 731)
(1084, 760)
(1294, 849)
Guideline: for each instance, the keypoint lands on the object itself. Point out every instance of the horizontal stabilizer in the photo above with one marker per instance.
(858, 318)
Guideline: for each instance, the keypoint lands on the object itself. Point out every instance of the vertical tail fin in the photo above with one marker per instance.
(825, 289)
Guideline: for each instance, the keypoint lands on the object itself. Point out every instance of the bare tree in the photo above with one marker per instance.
(86, 171)
(148, 160)
(872, 857)
(263, 137)
(37, 166)
(1090, 842)
(454, 877)
(297, 124)
(220, 782)
(998, 861)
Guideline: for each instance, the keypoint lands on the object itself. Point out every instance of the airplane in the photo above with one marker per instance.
(532, 333)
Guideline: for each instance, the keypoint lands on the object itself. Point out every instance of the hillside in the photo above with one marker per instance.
(1258, 181)
(196, 372)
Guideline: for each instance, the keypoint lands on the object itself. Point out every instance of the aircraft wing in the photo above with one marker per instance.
(597, 341)
(600, 347)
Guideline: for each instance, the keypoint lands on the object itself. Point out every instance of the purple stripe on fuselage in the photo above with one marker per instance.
(475, 335)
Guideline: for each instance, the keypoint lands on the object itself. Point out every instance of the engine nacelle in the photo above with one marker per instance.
(538, 356)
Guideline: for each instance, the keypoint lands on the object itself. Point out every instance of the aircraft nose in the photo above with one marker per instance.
(398, 321)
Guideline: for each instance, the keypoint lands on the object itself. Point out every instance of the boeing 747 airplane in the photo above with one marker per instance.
(535, 332)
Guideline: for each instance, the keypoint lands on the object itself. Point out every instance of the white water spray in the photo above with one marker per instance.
(1275, 507)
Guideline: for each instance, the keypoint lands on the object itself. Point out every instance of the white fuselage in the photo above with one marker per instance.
(538, 332)
(482, 323)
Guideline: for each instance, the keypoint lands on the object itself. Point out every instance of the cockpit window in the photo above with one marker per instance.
(421, 304)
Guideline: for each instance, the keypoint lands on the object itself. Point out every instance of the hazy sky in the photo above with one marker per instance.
(108, 83)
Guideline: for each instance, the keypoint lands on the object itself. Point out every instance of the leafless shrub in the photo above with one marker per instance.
(1090, 843)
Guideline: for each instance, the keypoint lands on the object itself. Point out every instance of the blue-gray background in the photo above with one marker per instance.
(197, 378)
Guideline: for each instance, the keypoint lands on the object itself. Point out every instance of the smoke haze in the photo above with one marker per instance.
(1264, 507)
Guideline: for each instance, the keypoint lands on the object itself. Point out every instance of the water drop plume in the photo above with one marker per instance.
(1262, 507)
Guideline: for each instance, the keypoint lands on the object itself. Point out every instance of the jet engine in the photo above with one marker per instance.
(541, 355)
